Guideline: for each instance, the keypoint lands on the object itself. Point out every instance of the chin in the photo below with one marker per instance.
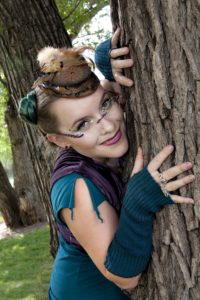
(118, 151)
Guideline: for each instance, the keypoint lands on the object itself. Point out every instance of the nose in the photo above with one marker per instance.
(107, 125)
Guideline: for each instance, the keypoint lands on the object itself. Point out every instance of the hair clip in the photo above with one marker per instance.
(28, 107)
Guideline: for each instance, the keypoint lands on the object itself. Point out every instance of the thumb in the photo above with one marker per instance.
(139, 162)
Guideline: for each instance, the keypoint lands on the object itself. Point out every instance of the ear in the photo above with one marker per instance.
(58, 140)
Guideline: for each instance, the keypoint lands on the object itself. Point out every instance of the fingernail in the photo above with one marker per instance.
(170, 147)
(191, 201)
(188, 164)
(191, 177)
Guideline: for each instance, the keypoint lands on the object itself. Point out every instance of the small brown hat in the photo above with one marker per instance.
(66, 72)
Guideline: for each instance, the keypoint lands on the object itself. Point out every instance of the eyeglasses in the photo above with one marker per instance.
(108, 108)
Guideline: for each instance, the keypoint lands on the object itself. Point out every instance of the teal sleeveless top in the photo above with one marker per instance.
(74, 274)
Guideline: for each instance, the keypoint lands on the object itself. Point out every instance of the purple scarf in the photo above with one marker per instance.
(102, 176)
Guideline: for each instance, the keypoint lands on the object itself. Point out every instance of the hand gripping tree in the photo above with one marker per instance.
(164, 107)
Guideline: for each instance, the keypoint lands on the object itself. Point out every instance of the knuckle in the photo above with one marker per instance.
(156, 159)
(171, 186)
(188, 178)
(182, 167)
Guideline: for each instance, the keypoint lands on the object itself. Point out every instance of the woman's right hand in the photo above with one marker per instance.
(117, 63)
(168, 174)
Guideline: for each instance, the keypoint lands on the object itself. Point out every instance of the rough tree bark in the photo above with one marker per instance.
(25, 27)
(9, 207)
(164, 107)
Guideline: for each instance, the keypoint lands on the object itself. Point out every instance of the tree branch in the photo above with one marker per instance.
(72, 11)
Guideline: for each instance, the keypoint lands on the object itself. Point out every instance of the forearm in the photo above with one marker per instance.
(130, 250)
(121, 282)
(119, 247)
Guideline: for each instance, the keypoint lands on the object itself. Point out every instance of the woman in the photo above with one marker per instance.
(105, 229)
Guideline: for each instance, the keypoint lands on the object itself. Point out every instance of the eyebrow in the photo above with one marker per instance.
(82, 118)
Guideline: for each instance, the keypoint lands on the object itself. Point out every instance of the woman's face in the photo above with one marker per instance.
(103, 137)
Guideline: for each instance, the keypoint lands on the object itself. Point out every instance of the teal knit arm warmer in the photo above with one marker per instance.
(102, 59)
(130, 250)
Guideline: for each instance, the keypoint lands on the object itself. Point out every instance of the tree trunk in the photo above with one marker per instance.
(30, 205)
(25, 27)
(9, 207)
(164, 40)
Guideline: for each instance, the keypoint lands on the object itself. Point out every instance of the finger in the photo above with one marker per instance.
(121, 100)
(139, 162)
(180, 199)
(122, 63)
(117, 88)
(119, 52)
(123, 80)
(174, 185)
(177, 170)
(111, 86)
(157, 161)
(115, 38)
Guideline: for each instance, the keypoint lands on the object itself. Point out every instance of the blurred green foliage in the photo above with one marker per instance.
(76, 13)
(97, 30)
(5, 148)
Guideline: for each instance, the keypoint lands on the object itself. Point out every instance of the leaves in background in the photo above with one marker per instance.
(5, 148)
(77, 13)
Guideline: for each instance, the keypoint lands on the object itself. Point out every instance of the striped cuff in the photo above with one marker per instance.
(144, 196)
(121, 263)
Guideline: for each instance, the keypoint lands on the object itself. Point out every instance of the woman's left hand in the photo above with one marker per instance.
(168, 174)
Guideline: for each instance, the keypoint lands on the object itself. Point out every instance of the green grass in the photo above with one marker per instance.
(25, 266)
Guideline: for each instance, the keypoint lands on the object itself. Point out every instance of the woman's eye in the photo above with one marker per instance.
(83, 125)
(107, 103)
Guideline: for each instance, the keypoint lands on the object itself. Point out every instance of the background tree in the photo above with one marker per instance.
(164, 40)
(32, 157)
(8, 201)
(42, 26)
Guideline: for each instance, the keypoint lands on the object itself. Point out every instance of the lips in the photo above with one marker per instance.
(114, 139)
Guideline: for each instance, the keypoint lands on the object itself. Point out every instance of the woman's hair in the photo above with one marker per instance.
(46, 119)
(66, 74)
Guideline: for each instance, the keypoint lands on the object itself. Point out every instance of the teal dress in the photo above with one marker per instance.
(74, 274)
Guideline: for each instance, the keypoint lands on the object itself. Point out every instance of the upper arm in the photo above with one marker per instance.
(93, 235)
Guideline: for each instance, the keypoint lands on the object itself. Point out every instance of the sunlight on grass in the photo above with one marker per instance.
(25, 266)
